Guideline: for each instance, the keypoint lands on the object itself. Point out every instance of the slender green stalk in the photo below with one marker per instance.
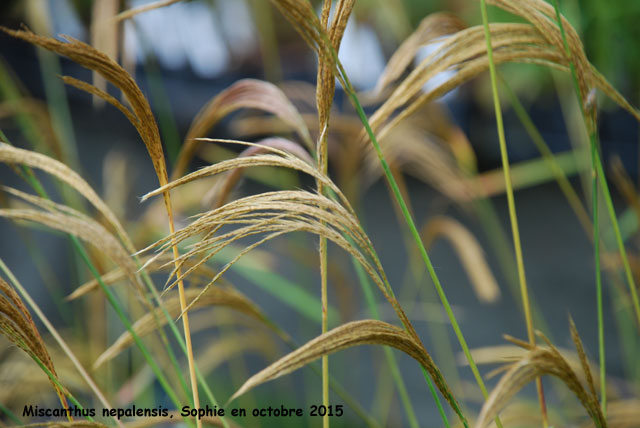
(367, 289)
(391, 359)
(511, 201)
(412, 227)
(557, 170)
(64, 390)
(10, 414)
(598, 173)
(117, 307)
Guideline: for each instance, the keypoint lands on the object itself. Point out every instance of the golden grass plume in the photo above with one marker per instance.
(18, 326)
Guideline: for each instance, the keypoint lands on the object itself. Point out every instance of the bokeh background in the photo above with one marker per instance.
(186, 53)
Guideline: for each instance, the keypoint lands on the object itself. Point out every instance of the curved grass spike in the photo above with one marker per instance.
(512, 207)
(146, 126)
(277, 213)
(304, 20)
(16, 323)
(536, 362)
(468, 250)
(363, 332)
(306, 23)
(30, 159)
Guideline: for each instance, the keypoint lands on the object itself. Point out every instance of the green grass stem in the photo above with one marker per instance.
(511, 202)
(598, 174)
(4, 409)
(412, 227)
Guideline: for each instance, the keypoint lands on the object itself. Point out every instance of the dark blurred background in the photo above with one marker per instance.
(186, 53)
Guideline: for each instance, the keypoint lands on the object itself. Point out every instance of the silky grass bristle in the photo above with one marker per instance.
(18, 326)
(536, 362)
(364, 332)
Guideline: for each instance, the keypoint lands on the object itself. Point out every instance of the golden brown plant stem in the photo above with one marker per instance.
(34, 306)
(324, 109)
(511, 203)
(185, 314)
(130, 13)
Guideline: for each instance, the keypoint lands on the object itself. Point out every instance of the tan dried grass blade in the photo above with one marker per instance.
(325, 87)
(215, 296)
(104, 37)
(469, 251)
(504, 353)
(584, 363)
(127, 14)
(246, 93)
(272, 214)
(536, 362)
(365, 332)
(305, 21)
(275, 212)
(97, 92)
(12, 155)
(413, 149)
(16, 323)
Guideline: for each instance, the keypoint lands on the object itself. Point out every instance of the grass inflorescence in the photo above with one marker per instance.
(180, 259)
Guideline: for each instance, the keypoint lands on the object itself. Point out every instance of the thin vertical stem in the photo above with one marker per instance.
(511, 203)
(598, 173)
(324, 98)
(413, 229)
(185, 319)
